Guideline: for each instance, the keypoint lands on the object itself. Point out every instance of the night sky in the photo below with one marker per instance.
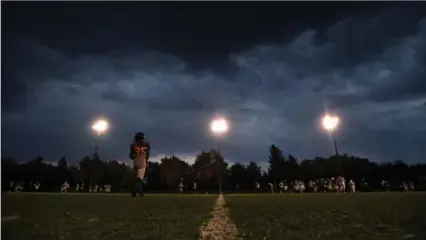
(166, 69)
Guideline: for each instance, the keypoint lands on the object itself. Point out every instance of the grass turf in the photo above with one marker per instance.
(330, 216)
(291, 216)
(102, 216)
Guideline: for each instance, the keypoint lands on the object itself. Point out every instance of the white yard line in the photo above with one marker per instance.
(220, 226)
(9, 218)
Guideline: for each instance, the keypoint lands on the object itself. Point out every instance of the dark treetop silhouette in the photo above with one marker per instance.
(167, 175)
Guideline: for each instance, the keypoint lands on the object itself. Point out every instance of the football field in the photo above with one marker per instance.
(166, 216)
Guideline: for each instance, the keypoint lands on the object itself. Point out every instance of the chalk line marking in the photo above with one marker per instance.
(9, 218)
(220, 226)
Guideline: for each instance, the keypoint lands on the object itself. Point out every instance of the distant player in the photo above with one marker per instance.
(271, 187)
(65, 186)
(330, 184)
(296, 186)
(341, 184)
(363, 184)
(405, 186)
(302, 186)
(281, 186)
(11, 186)
(411, 186)
(352, 186)
(139, 153)
(285, 186)
(312, 186)
(107, 188)
(385, 185)
(19, 187)
(181, 185)
(257, 186)
(36, 186)
(194, 186)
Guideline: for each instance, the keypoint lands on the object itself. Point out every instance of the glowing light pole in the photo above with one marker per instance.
(330, 123)
(99, 127)
(219, 127)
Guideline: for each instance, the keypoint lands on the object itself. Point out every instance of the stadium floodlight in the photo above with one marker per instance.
(99, 127)
(219, 127)
(330, 123)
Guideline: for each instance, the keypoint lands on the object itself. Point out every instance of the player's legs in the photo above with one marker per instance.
(140, 167)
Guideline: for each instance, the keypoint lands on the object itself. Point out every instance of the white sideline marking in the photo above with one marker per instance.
(220, 226)
(9, 218)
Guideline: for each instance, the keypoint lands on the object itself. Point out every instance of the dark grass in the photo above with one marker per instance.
(330, 216)
(101, 216)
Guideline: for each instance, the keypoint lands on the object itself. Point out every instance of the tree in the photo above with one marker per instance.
(154, 175)
(308, 170)
(205, 171)
(238, 175)
(172, 169)
(62, 172)
(62, 163)
(253, 173)
(9, 169)
(291, 169)
(400, 170)
(276, 161)
(92, 170)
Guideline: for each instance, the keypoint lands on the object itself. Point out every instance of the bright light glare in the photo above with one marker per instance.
(219, 126)
(330, 122)
(100, 126)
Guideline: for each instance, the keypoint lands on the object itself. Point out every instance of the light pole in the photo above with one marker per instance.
(330, 123)
(99, 127)
(219, 127)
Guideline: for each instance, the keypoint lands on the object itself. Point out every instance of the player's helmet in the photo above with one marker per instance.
(139, 136)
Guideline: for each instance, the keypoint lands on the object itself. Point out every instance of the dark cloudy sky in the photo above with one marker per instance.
(167, 68)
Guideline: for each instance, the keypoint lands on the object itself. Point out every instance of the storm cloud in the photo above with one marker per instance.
(370, 70)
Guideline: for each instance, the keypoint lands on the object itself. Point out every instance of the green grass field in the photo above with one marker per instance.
(330, 216)
(289, 216)
(90, 216)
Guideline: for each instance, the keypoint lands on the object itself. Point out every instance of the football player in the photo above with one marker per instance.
(411, 186)
(65, 186)
(352, 185)
(271, 187)
(139, 153)
(181, 185)
(257, 187)
(194, 186)
(36, 186)
(281, 186)
(385, 185)
(11, 186)
(302, 186)
(341, 184)
(405, 186)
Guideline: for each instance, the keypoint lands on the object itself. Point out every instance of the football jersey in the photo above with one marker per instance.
(140, 149)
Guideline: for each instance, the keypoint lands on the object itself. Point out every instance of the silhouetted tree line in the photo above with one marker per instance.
(167, 175)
